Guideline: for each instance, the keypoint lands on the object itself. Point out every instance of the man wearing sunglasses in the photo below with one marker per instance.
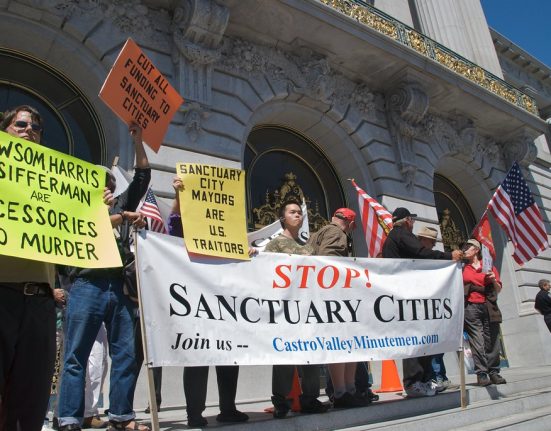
(24, 122)
(27, 314)
(27, 317)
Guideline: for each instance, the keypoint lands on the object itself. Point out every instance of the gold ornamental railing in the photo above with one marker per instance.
(400, 32)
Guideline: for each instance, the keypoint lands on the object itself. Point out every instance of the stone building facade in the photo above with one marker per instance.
(418, 101)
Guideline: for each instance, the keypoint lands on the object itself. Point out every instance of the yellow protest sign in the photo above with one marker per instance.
(212, 206)
(51, 207)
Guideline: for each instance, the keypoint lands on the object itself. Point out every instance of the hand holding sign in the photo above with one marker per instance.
(213, 209)
(138, 93)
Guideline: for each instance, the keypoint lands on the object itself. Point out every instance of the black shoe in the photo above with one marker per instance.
(348, 401)
(196, 421)
(372, 396)
(70, 427)
(315, 406)
(281, 407)
(496, 379)
(232, 416)
(55, 423)
(483, 380)
(148, 409)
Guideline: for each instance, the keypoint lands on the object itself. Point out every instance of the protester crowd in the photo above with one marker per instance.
(97, 313)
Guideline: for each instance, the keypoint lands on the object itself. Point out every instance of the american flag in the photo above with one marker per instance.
(376, 221)
(516, 211)
(150, 210)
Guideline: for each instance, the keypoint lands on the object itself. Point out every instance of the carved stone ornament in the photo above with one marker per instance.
(406, 106)
(458, 136)
(303, 72)
(131, 17)
(194, 114)
(197, 30)
(521, 148)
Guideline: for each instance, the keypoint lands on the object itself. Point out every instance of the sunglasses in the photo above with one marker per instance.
(20, 124)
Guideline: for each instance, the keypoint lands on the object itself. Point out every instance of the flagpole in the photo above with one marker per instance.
(150, 383)
(463, 390)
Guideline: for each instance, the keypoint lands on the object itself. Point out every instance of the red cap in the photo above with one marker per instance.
(345, 214)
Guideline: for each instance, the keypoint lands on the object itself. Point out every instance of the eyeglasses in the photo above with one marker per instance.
(20, 124)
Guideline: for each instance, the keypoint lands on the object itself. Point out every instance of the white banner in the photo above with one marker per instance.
(289, 309)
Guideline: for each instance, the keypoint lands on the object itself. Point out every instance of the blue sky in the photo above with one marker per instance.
(526, 23)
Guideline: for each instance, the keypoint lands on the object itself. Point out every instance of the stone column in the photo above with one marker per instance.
(442, 21)
(478, 36)
(398, 9)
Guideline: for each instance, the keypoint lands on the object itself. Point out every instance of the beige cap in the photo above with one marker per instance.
(474, 242)
(428, 232)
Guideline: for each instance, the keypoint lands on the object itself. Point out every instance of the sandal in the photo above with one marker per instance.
(130, 425)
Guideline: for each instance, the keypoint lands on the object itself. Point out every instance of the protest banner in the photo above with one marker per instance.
(212, 206)
(51, 207)
(139, 93)
(291, 309)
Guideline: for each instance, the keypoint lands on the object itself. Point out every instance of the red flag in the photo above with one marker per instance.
(376, 221)
(516, 211)
(150, 210)
(483, 233)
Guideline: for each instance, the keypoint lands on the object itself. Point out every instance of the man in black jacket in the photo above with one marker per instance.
(402, 243)
(543, 301)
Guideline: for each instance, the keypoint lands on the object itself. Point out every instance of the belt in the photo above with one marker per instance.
(30, 288)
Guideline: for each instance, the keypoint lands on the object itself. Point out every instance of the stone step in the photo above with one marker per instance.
(522, 400)
(475, 417)
(532, 420)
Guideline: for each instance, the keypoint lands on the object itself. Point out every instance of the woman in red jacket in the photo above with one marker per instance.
(478, 287)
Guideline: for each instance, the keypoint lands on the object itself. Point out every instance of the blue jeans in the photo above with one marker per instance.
(438, 367)
(91, 302)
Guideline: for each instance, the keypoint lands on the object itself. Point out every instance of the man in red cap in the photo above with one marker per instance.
(332, 240)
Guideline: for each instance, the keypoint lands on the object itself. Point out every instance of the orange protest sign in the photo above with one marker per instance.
(139, 93)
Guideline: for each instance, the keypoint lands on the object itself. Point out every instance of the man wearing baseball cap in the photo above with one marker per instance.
(402, 243)
(332, 240)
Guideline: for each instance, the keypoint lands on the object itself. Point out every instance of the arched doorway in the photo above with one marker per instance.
(455, 215)
(280, 163)
(70, 123)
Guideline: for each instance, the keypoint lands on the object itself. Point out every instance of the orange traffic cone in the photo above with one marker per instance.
(390, 380)
(294, 395)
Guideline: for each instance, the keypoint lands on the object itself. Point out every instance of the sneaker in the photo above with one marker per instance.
(232, 416)
(420, 389)
(482, 379)
(70, 427)
(315, 406)
(496, 379)
(440, 384)
(372, 396)
(94, 422)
